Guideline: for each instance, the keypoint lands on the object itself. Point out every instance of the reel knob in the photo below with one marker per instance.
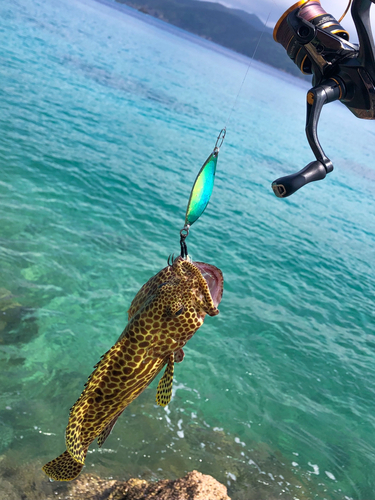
(285, 186)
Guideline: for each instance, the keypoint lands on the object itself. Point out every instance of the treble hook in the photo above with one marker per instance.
(170, 259)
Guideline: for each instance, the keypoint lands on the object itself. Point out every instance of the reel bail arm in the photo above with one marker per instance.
(329, 91)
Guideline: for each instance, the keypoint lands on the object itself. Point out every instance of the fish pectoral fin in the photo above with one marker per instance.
(73, 440)
(63, 468)
(164, 391)
(157, 350)
(107, 431)
(179, 356)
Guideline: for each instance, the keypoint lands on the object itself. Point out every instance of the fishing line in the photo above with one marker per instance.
(249, 65)
(203, 185)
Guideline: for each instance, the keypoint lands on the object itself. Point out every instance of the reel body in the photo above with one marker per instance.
(319, 45)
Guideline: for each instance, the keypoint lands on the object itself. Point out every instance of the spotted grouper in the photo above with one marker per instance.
(164, 315)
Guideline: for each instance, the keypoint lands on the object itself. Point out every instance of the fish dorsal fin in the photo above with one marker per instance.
(164, 391)
(107, 431)
(73, 437)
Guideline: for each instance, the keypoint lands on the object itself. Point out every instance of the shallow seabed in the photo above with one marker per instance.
(106, 117)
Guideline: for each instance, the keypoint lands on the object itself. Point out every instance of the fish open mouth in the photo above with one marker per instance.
(214, 279)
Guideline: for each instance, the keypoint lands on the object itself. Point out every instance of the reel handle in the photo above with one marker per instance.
(329, 91)
(285, 186)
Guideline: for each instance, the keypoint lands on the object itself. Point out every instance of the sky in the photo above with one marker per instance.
(275, 8)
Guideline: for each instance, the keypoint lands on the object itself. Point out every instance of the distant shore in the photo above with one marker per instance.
(234, 29)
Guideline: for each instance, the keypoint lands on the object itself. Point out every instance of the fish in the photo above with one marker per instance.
(163, 316)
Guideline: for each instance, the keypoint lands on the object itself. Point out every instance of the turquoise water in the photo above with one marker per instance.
(105, 119)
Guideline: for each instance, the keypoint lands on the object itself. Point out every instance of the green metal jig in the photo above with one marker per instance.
(201, 192)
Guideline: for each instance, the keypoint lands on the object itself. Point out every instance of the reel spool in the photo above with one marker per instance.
(313, 12)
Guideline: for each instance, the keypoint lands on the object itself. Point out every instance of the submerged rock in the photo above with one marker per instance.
(17, 323)
(6, 436)
(193, 486)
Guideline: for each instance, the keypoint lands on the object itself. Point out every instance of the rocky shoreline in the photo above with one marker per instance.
(29, 483)
(193, 486)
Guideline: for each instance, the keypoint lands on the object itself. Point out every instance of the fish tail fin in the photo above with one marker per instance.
(63, 468)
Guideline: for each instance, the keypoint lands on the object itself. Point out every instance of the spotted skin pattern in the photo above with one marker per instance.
(164, 315)
(164, 391)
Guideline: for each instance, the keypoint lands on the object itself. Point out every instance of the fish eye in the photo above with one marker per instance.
(180, 311)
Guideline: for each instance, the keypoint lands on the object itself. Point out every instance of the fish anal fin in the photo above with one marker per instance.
(164, 390)
(107, 431)
(63, 468)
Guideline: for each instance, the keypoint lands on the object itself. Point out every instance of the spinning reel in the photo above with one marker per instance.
(341, 70)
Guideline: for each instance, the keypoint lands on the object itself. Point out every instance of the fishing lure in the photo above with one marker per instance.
(201, 191)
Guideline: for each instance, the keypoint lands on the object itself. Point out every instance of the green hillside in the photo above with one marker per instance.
(233, 28)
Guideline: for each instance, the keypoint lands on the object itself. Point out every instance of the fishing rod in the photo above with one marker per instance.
(342, 71)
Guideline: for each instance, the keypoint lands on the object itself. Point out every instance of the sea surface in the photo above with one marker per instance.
(106, 116)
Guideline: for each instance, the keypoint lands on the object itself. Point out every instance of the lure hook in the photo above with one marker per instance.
(170, 259)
